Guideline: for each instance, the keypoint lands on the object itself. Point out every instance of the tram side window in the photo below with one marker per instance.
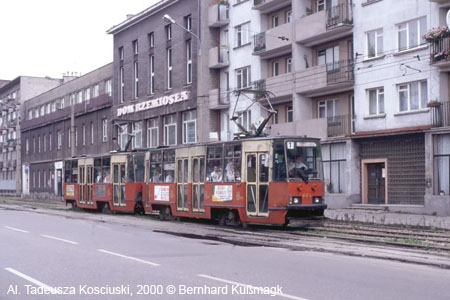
(169, 166)
(106, 169)
(214, 165)
(155, 167)
(233, 163)
(71, 171)
(102, 170)
(98, 170)
(279, 163)
(130, 165)
(139, 167)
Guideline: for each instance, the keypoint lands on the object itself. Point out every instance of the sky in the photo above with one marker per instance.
(51, 37)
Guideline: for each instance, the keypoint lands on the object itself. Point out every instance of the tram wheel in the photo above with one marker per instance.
(164, 213)
(106, 209)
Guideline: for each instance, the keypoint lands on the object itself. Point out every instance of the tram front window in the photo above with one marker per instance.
(303, 161)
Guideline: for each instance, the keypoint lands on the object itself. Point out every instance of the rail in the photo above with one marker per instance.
(439, 50)
(340, 71)
(339, 14)
(440, 114)
(339, 125)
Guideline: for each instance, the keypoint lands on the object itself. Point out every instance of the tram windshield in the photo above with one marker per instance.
(303, 161)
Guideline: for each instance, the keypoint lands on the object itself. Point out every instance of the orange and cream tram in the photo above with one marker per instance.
(262, 180)
(109, 183)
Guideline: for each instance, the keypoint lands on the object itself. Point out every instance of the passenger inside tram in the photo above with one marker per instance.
(216, 174)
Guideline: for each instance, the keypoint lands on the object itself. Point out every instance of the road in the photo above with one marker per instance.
(44, 253)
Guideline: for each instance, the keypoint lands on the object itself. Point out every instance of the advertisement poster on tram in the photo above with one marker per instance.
(222, 193)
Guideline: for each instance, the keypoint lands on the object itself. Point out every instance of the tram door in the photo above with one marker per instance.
(257, 183)
(89, 182)
(82, 181)
(182, 184)
(198, 184)
(119, 178)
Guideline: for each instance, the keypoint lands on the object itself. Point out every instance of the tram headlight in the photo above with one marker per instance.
(297, 200)
(317, 200)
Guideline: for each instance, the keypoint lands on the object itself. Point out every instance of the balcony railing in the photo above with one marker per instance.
(440, 114)
(339, 125)
(259, 42)
(439, 50)
(340, 71)
(339, 14)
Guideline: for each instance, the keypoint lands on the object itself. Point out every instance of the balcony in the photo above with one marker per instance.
(219, 57)
(219, 100)
(316, 128)
(268, 6)
(439, 52)
(273, 42)
(281, 85)
(325, 26)
(339, 125)
(321, 80)
(218, 14)
(440, 114)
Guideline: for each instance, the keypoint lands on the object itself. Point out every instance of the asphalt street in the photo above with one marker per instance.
(43, 253)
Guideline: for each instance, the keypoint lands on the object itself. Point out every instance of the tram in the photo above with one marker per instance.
(111, 183)
(266, 180)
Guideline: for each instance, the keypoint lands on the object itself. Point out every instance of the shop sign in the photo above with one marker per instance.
(163, 101)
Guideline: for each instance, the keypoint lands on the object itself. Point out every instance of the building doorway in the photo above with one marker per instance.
(374, 179)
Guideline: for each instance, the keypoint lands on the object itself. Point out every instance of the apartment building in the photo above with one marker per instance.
(70, 120)
(12, 95)
(155, 75)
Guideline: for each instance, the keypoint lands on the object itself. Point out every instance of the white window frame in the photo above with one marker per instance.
(152, 74)
(167, 128)
(189, 61)
(122, 136)
(169, 32)
(406, 87)
(59, 139)
(44, 141)
(378, 92)
(275, 68)
(80, 97)
(275, 21)
(104, 130)
(324, 104)
(96, 91)
(242, 34)
(241, 83)
(188, 119)
(121, 54)
(27, 146)
(87, 94)
(136, 132)
(169, 69)
(288, 16)
(135, 47)
(188, 20)
(152, 129)
(378, 33)
(108, 87)
(50, 141)
(121, 85)
(245, 119)
(289, 111)
(92, 133)
(289, 65)
(420, 41)
(151, 38)
(135, 79)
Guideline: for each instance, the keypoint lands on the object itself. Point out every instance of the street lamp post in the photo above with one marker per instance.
(171, 20)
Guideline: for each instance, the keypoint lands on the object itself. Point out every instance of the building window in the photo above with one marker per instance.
(45, 142)
(243, 78)
(50, 141)
(245, 119)
(410, 34)
(289, 114)
(96, 91)
(53, 106)
(413, 96)
(188, 22)
(375, 43)
(80, 97)
(121, 85)
(135, 47)
(275, 68)
(152, 74)
(151, 39)
(169, 32)
(288, 16)
(152, 133)
(289, 64)
(45, 179)
(59, 139)
(72, 99)
(87, 94)
(334, 165)
(69, 138)
(169, 68)
(36, 113)
(376, 101)
(275, 21)
(327, 108)
(170, 130)
(242, 34)
(189, 61)
(189, 127)
(76, 137)
(320, 5)
(30, 114)
(329, 57)
(39, 179)
(137, 132)
(136, 80)
(27, 146)
(42, 113)
(442, 163)
(39, 143)
(121, 53)
(48, 110)
(84, 134)
(105, 130)
(123, 136)
(92, 133)
(108, 87)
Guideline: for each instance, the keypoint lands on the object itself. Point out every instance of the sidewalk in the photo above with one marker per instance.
(385, 217)
(51, 204)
